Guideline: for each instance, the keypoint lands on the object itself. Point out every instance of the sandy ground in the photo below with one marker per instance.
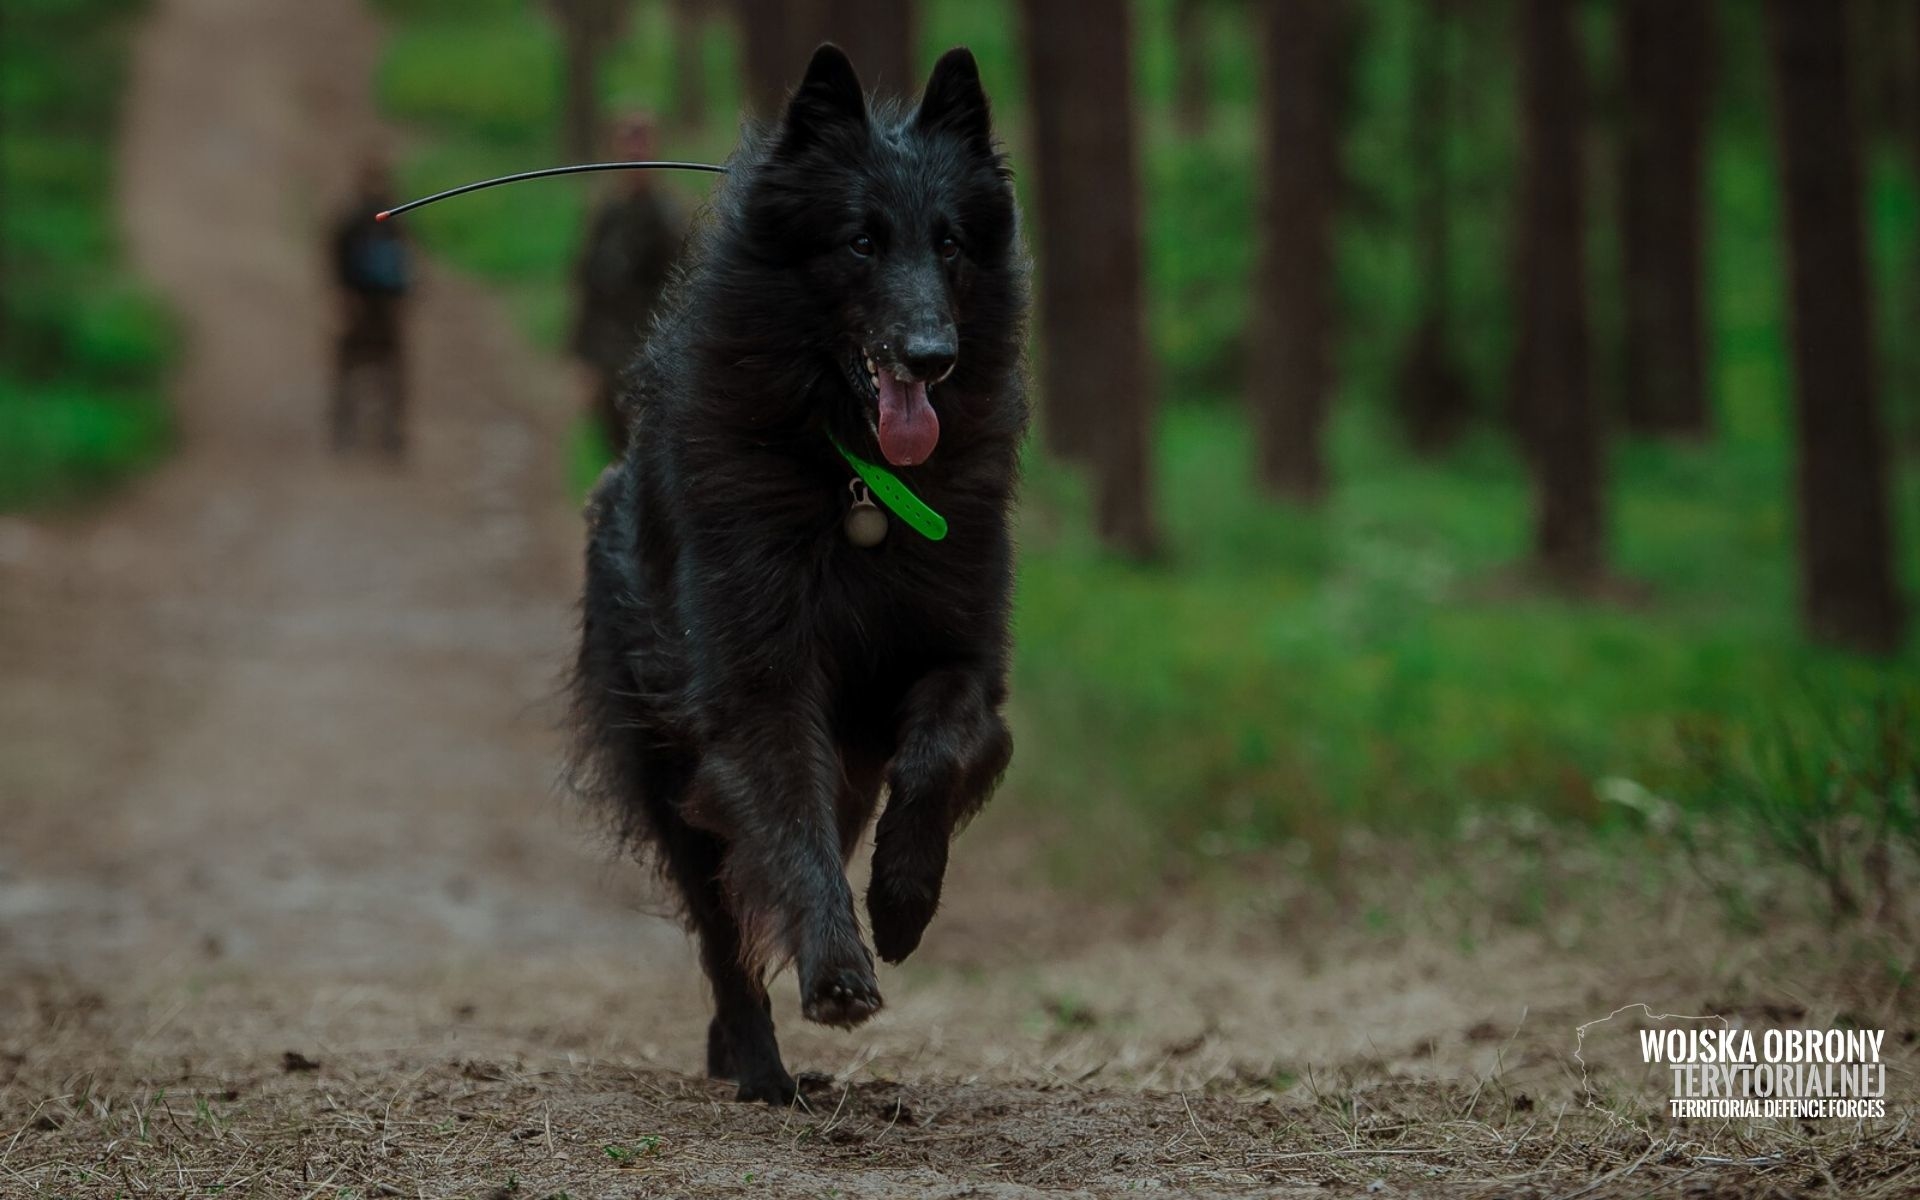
(290, 904)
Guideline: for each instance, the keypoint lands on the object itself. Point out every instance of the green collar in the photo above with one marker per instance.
(890, 491)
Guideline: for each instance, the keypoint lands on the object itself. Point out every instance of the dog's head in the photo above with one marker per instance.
(899, 225)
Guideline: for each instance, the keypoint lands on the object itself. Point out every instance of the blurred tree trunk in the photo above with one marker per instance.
(1560, 421)
(1434, 401)
(1191, 80)
(1096, 372)
(1668, 48)
(1290, 387)
(588, 29)
(1905, 418)
(879, 36)
(1847, 589)
(1910, 84)
(777, 39)
(689, 64)
(1879, 45)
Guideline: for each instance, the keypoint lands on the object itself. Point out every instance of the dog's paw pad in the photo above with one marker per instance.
(842, 998)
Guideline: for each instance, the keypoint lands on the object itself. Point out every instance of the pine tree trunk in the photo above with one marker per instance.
(689, 64)
(1553, 392)
(1434, 401)
(588, 29)
(1847, 589)
(1909, 58)
(777, 40)
(1096, 372)
(878, 35)
(581, 45)
(1191, 105)
(1667, 51)
(1290, 385)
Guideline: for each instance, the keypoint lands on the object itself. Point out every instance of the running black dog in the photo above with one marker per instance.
(763, 646)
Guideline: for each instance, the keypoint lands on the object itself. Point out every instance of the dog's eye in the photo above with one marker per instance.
(861, 245)
(949, 249)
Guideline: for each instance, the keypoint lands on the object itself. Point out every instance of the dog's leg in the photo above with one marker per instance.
(740, 1040)
(953, 748)
(769, 789)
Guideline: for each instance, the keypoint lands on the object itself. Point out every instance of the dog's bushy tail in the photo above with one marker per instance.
(608, 714)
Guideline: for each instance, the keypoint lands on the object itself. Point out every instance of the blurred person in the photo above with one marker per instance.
(372, 268)
(632, 243)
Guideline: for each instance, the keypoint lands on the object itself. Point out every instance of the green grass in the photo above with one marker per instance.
(84, 348)
(1288, 675)
(1284, 677)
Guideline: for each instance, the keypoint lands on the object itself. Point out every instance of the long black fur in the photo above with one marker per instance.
(748, 679)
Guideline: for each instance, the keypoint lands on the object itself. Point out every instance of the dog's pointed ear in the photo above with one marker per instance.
(955, 101)
(829, 94)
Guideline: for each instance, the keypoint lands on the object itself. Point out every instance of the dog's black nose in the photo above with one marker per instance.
(929, 356)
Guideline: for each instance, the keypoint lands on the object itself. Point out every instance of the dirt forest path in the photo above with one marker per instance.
(289, 905)
(317, 682)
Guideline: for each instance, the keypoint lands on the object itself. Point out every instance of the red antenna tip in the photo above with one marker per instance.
(381, 216)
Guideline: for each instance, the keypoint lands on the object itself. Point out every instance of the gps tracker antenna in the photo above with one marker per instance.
(575, 169)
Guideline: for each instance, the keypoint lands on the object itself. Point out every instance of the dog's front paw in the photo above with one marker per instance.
(774, 1087)
(842, 996)
(904, 895)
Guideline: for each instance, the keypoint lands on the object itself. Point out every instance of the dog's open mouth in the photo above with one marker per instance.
(905, 424)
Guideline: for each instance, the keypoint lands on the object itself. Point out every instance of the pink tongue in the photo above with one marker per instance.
(909, 428)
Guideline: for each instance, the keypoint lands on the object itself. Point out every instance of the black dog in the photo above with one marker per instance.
(751, 669)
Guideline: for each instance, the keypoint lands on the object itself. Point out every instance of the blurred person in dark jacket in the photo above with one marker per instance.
(372, 269)
(632, 245)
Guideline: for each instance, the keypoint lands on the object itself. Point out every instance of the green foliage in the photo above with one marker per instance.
(83, 347)
(627, 1156)
(61, 441)
(429, 72)
(1380, 285)
(991, 29)
(1746, 269)
(1835, 786)
(1893, 196)
(1199, 220)
(1284, 677)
